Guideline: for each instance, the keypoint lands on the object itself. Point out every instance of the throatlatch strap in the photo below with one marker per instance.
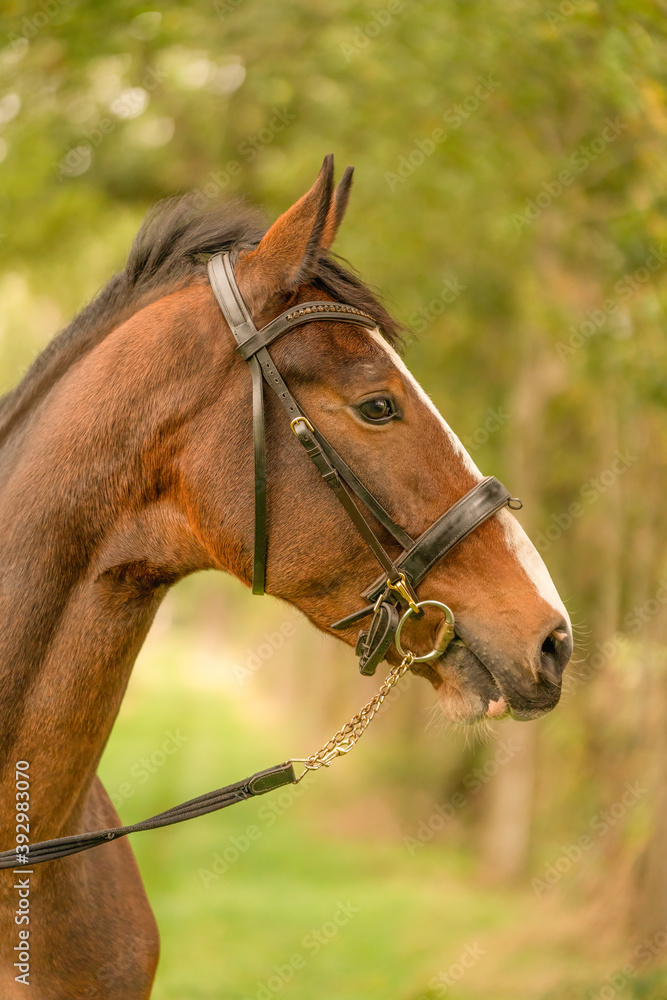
(61, 847)
(240, 322)
(259, 454)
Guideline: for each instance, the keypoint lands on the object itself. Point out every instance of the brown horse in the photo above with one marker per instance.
(126, 464)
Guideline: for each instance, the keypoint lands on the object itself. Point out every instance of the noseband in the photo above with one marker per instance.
(390, 599)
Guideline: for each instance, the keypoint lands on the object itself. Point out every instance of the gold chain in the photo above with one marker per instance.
(346, 738)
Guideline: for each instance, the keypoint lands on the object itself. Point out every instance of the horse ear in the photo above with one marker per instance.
(337, 209)
(287, 252)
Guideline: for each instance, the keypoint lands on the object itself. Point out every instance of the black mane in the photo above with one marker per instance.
(171, 248)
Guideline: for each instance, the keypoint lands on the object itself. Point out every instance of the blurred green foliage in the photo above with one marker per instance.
(510, 202)
(325, 874)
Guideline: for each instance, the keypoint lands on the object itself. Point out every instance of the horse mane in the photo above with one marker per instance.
(171, 250)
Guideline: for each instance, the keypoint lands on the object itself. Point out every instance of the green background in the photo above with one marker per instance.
(510, 203)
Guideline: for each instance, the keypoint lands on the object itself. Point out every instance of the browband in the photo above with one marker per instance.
(304, 313)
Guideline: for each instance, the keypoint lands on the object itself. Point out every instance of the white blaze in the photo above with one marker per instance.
(521, 546)
(428, 402)
(517, 540)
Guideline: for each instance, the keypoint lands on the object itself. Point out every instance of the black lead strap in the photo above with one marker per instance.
(61, 847)
(258, 784)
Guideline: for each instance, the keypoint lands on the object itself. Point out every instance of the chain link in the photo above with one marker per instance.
(343, 741)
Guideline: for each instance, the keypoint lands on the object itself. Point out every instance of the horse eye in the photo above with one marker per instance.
(378, 410)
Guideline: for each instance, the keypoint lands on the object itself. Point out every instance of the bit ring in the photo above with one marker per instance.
(435, 653)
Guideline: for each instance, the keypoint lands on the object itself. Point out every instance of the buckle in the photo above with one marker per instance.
(304, 420)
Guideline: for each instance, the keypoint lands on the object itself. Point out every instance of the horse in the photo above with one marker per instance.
(126, 463)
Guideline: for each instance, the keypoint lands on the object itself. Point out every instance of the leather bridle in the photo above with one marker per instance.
(391, 599)
(392, 595)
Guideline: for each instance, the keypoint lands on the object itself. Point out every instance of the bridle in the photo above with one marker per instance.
(391, 599)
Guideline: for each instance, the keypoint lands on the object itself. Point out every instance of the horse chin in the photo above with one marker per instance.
(467, 691)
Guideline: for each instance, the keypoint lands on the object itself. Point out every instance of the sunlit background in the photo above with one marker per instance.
(510, 203)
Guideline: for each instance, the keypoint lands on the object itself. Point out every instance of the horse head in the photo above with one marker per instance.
(513, 636)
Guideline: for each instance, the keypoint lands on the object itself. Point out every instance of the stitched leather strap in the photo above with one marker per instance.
(259, 456)
(373, 643)
(480, 503)
(61, 847)
(357, 487)
(305, 312)
(239, 320)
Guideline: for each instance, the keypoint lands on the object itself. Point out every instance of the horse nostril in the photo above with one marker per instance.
(555, 654)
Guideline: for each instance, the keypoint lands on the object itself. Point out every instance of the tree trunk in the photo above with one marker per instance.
(506, 835)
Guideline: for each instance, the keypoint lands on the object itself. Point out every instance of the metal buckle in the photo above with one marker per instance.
(446, 634)
(304, 420)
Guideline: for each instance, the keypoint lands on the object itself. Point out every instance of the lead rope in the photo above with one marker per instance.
(257, 784)
(347, 737)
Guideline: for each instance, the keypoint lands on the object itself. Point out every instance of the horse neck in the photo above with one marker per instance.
(91, 535)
